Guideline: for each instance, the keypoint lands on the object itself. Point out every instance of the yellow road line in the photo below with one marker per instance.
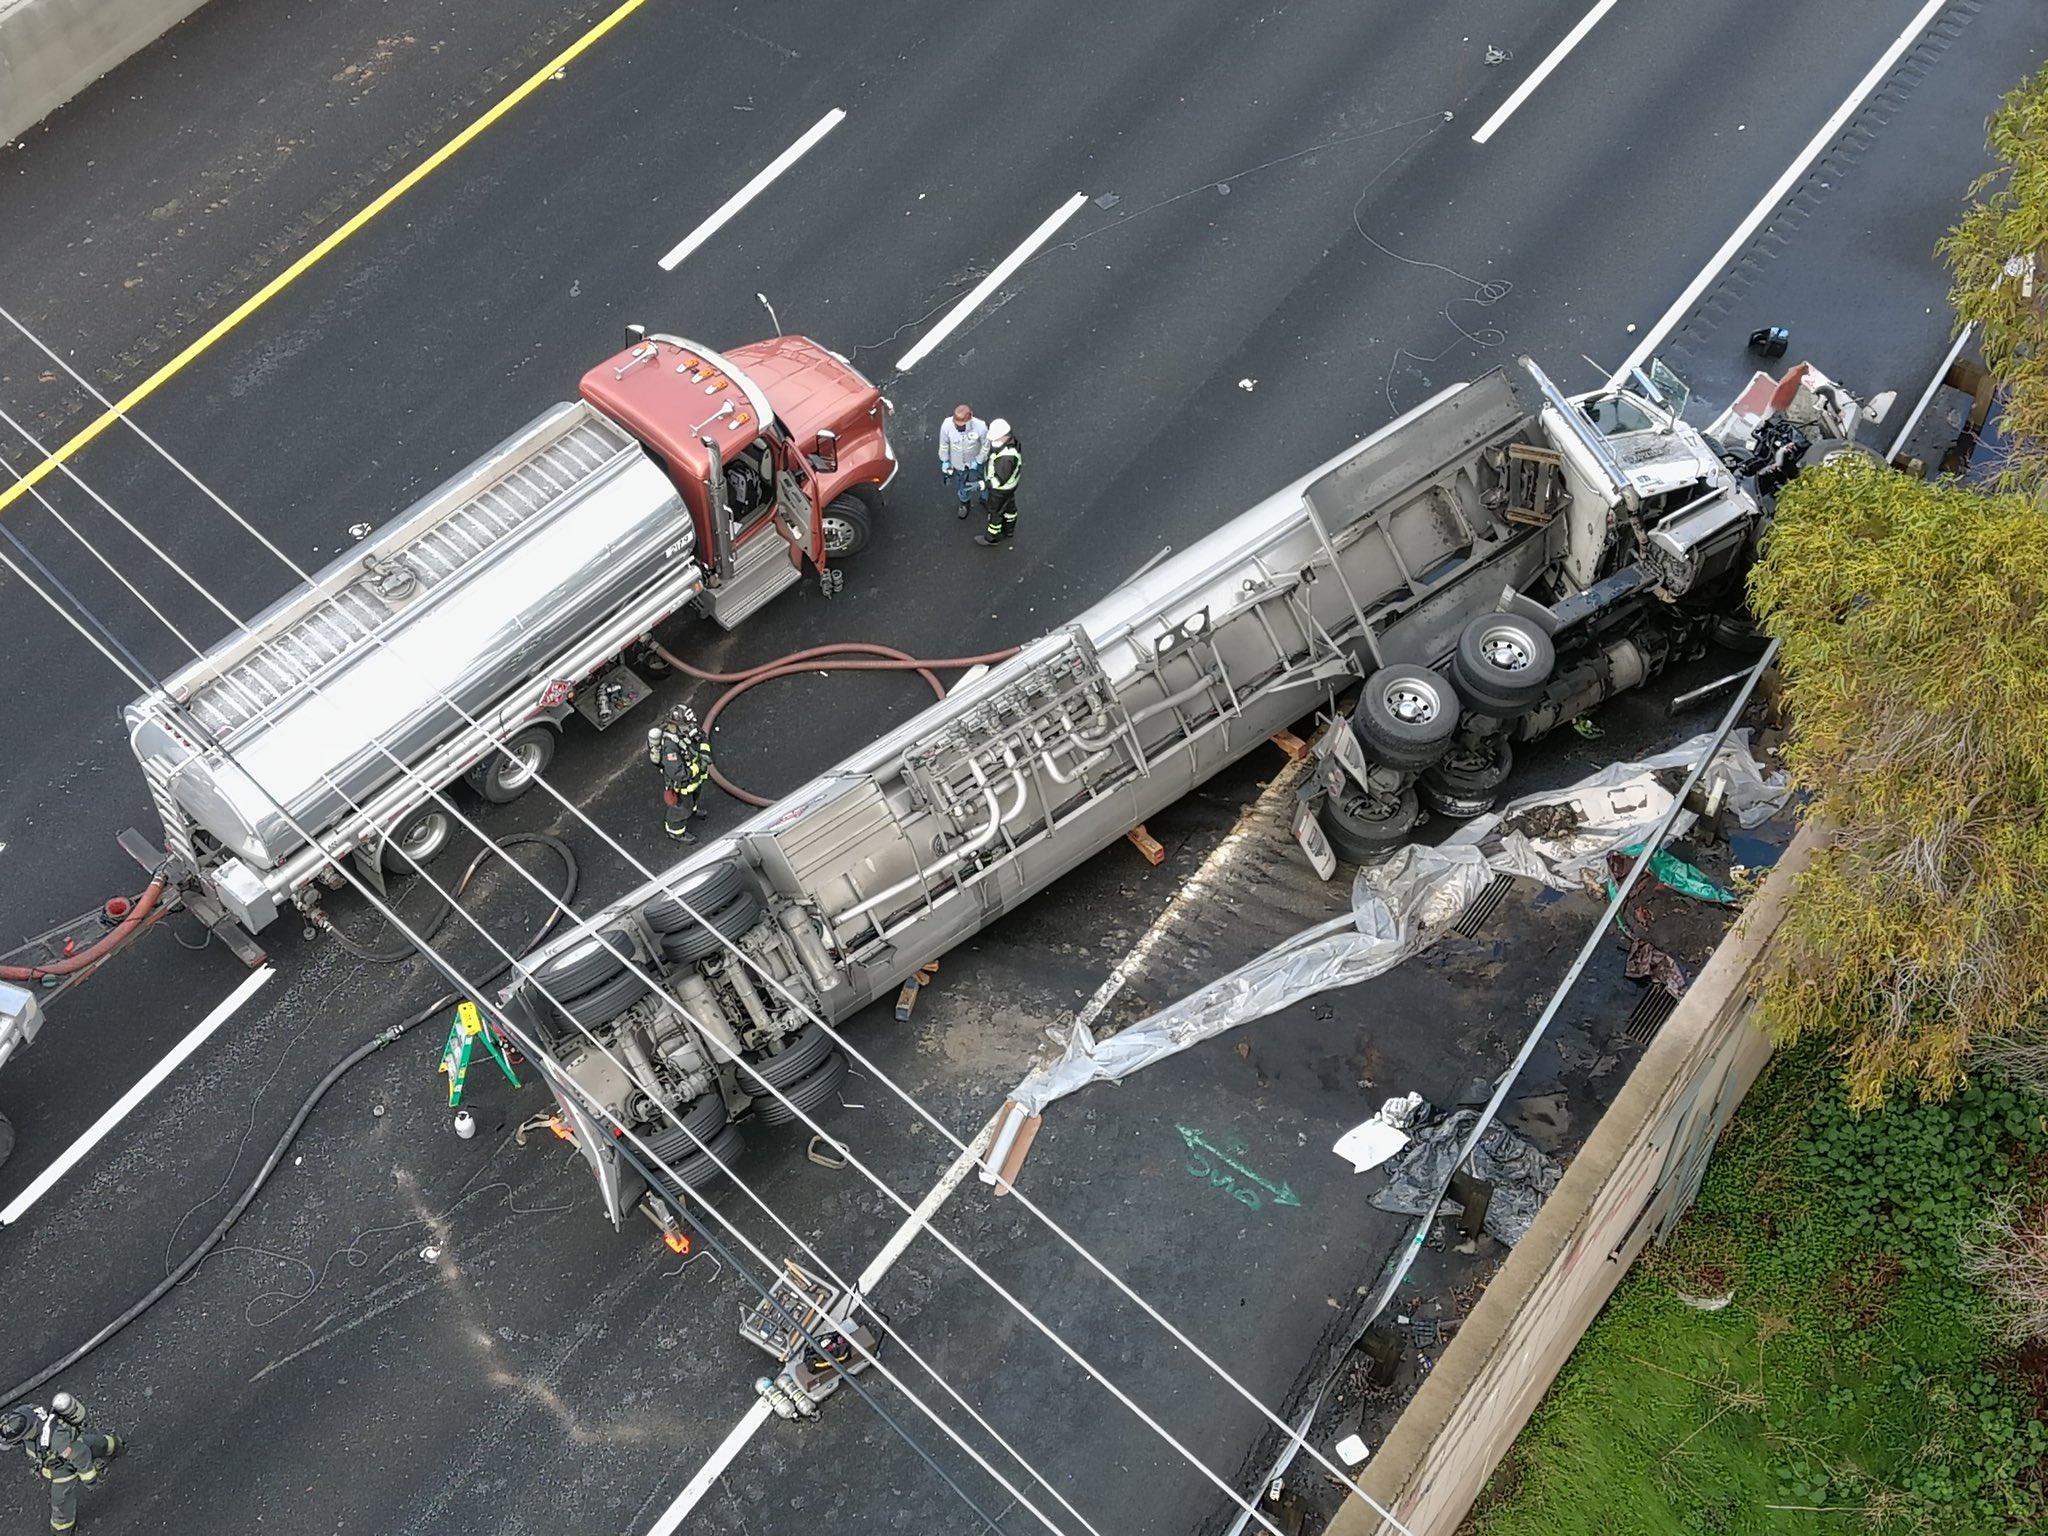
(305, 263)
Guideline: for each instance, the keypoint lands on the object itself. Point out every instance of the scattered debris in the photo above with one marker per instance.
(1247, 385)
(1373, 1141)
(1520, 1175)
(1498, 56)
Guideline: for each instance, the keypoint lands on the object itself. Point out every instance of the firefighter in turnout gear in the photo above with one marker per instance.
(680, 749)
(63, 1453)
(1005, 470)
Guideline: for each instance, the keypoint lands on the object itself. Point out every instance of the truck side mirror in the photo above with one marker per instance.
(826, 455)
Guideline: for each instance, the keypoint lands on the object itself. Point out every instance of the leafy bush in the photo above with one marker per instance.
(1914, 623)
(1998, 258)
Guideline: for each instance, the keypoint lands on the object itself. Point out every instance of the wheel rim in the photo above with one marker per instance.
(423, 839)
(1506, 650)
(839, 534)
(1463, 760)
(524, 765)
(1412, 701)
(1366, 808)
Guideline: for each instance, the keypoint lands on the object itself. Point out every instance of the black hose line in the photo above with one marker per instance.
(444, 905)
(571, 873)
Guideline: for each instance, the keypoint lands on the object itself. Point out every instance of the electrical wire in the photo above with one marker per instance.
(1341, 1474)
(538, 1052)
(335, 1074)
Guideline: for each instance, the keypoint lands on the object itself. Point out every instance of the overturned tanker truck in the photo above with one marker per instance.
(1487, 566)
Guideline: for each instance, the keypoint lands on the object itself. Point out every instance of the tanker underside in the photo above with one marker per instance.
(671, 1010)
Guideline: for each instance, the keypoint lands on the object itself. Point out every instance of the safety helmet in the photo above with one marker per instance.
(998, 432)
(68, 1408)
(15, 1427)
(684, 716)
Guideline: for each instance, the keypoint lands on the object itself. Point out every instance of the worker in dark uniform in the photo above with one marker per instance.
(56, 1441)
(680, 749)
(1005, 470)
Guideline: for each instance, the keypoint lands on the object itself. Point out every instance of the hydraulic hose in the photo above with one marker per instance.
(444, 903)
(854, 656)
(140, 913)
(571, 873)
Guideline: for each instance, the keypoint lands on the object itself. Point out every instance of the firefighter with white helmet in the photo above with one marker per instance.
(1004, 473)
(55, 1440)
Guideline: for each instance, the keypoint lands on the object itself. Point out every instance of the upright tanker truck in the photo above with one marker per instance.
(1487, 567)
(452, 645)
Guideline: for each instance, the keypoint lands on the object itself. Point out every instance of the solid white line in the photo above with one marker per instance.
(1555, 57)
(1927, 395)
(1820, 141)
(672, 1519)
(752, 189)
(927, 1208)
(730, 1447)
(991, 283)
(135, 1096)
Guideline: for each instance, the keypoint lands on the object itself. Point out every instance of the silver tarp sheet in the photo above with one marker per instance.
(1400, 906)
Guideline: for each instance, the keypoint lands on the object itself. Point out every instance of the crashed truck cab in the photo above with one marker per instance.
(1647, 527)
(451, 645)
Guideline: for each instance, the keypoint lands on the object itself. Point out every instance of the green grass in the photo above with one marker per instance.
(1851, 1385)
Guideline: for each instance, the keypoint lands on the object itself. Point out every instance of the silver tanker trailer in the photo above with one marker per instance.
(1487, 566)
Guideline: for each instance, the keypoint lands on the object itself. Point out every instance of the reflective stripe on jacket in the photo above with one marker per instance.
(1006, 468)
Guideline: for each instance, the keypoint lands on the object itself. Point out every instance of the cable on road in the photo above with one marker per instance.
(446, 897)
(571, 874)
(854, 656)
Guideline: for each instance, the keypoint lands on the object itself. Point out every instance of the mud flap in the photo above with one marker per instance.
(620, 1185)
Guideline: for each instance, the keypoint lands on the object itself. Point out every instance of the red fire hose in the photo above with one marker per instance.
(852, 657)
(141, 912)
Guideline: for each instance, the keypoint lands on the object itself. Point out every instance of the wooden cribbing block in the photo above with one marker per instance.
(1147, 844)
(1296, 749)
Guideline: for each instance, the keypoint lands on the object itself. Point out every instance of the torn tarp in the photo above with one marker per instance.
(1398, 907)
(1520, 1175)
(1402, 904)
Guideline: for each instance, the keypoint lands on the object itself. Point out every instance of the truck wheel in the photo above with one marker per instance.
(798, 1058)
(847, 526)
(606, 1001)
(509, 771)
(6, 1138)
(806, 1095)
(1406, 716)
(689, 945)
(706, 892)
(1470, 771)
(416, 842)
(671, 1141)
(706, 1167)
(1739, 634)
(1502, 663)
(583, 968)
(1361, 829)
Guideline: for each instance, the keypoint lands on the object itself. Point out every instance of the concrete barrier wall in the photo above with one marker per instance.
(50, 50)
(1638, 1171)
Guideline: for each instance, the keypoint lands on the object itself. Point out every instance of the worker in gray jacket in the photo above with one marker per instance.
(63, 1453)
(963, 454)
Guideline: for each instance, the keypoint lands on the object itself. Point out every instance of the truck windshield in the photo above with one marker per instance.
(1618, 414)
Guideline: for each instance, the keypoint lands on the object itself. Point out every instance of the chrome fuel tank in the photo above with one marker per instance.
(455, 603)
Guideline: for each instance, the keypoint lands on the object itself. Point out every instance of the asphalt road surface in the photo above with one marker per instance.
(1287, 235)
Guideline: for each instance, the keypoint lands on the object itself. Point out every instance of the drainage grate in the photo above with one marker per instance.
(1651, 1010)
(1484, 905)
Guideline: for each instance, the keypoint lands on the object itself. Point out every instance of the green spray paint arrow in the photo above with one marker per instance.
(1281, 1194)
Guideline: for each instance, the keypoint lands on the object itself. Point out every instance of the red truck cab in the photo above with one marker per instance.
(779, 449)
